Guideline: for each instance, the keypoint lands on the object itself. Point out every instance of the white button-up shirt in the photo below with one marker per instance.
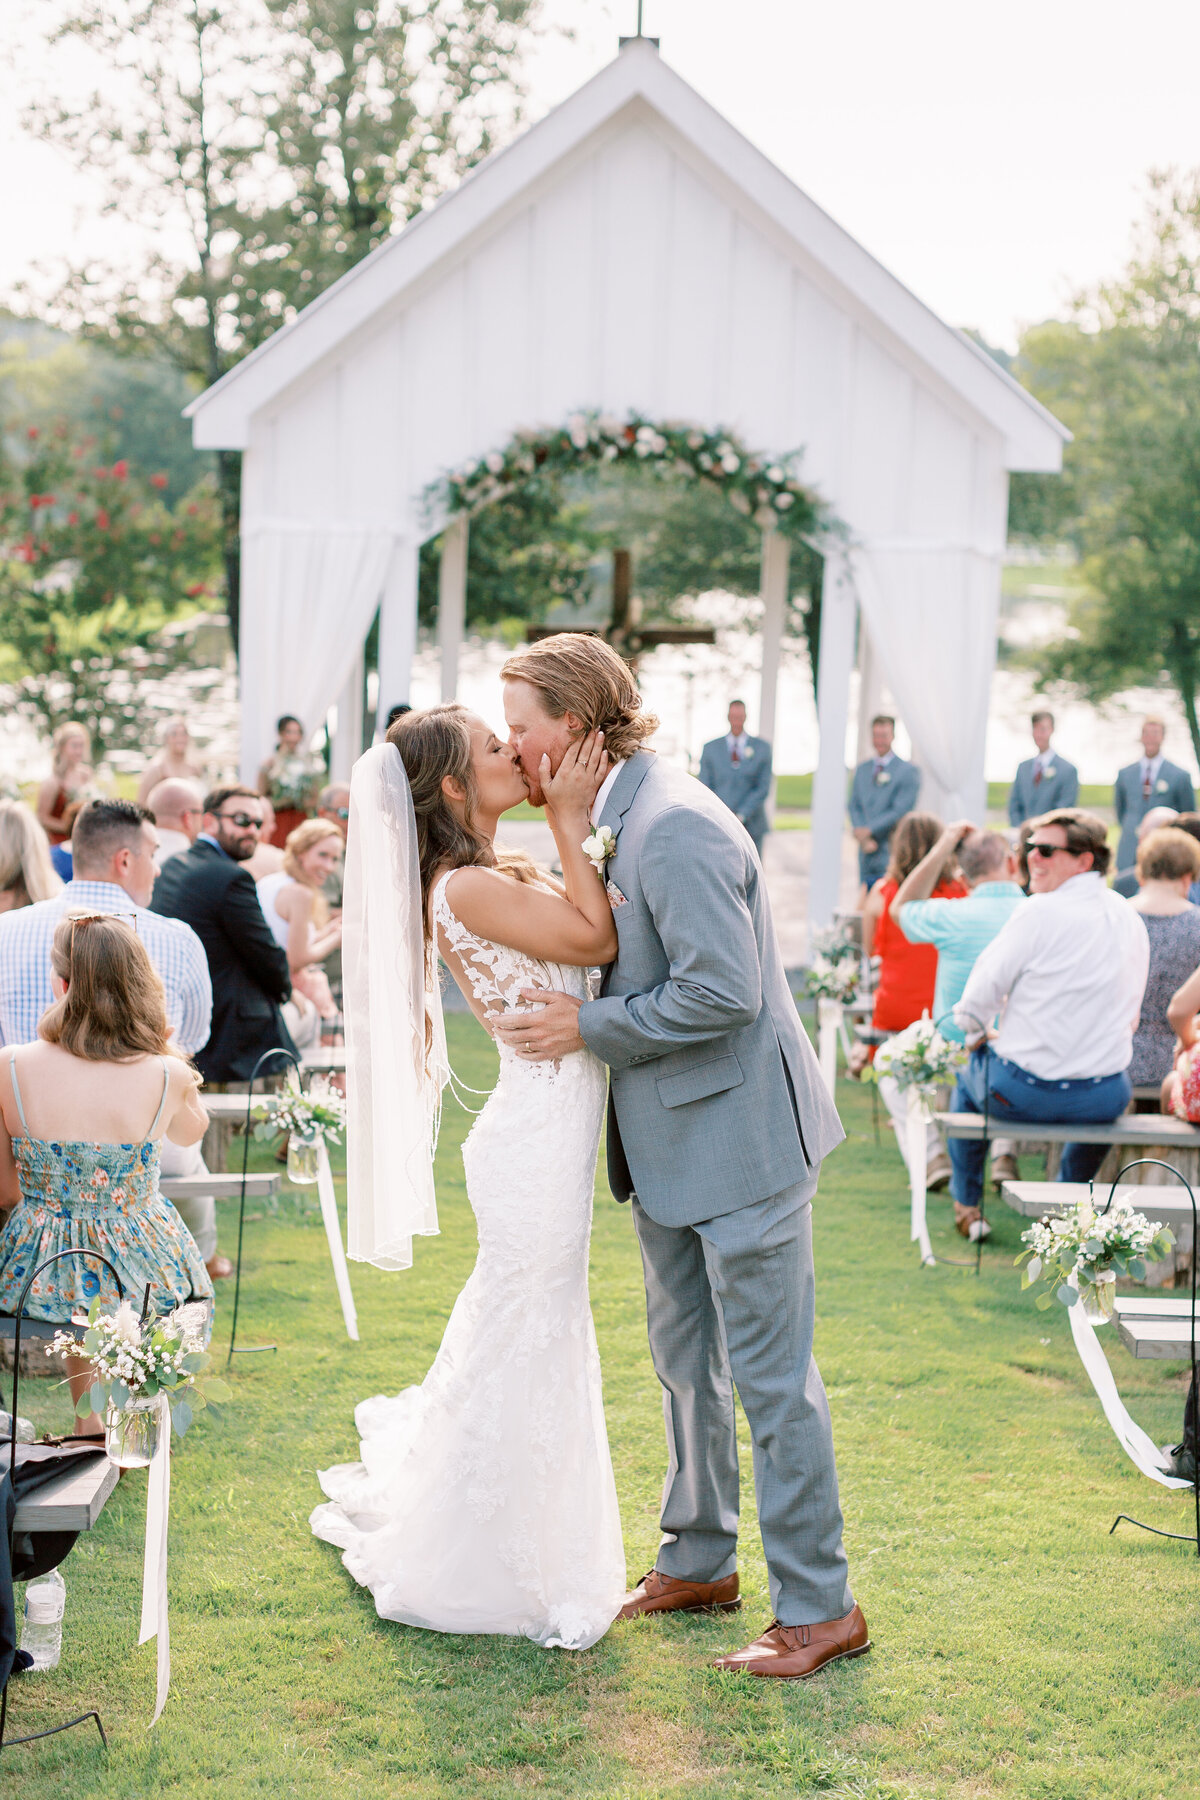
(1066, 974)
(603, 791)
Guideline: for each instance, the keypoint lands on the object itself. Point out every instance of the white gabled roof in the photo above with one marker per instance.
(222, 414)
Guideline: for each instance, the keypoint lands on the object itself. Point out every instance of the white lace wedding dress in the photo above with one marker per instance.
(485, 1500)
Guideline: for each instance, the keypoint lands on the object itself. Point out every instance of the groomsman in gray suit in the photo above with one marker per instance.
(737, 769)
(1151, 781)
(1046, 781)
(885, 787)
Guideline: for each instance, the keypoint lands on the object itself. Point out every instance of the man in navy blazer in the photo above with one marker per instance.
(737, 769)
(1151, 781)
(1046, 781)
(885, 787)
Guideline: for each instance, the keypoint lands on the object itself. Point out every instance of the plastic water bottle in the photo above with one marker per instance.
(25, 1429)
(45, 1603)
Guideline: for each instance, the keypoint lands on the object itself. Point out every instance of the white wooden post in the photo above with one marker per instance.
(347, 740)
(838, 609)
(773, 587)
(452, 601)
(397, 630)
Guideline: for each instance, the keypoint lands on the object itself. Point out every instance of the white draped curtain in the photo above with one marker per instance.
(309, 593)
(932, 615)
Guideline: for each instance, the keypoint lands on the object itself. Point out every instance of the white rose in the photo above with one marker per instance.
(494, 462)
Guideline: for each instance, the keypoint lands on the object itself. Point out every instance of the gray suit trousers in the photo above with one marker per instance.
(731, 1301)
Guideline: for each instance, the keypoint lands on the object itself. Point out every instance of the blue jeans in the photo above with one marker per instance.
(1012, 1094)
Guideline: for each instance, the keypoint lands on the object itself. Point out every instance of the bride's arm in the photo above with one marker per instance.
(576, 929)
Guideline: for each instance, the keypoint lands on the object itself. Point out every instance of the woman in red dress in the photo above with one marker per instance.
(907, 972)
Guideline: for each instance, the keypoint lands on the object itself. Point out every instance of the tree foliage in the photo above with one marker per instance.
(269, 145)
(95, 559)
(1124, 374)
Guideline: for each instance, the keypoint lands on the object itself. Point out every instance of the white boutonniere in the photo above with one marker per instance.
(1160, 786)
(747, 753)
(1049, 771)
(599, 847)
(882, 779)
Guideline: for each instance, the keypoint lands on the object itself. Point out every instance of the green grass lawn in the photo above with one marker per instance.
(1020, 1650)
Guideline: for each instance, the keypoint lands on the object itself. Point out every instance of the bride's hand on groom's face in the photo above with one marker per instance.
(575, 783)
(550, 1032)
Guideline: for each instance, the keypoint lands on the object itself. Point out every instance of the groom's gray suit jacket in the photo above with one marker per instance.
(716, 1099)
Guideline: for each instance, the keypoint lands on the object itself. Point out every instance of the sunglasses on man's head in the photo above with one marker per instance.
(243, 821)
(1046, 850)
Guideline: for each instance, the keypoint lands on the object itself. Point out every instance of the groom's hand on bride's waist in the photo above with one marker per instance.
(550, 1032)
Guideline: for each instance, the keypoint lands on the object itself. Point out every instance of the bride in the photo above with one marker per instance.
(484, 1500)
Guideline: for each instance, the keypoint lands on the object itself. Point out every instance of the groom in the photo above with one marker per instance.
(717, 1123)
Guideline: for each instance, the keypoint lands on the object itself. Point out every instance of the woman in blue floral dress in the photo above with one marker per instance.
(84, 1110)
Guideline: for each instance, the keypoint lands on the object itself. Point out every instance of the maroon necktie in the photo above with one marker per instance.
(734, 757)
(1037, 776)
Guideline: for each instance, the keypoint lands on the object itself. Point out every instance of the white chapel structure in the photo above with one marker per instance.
(631, 252)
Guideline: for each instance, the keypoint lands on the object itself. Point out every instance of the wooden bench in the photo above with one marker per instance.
(1130, 1131)
(1046, 1199)
(222, 1187)
(73, 1501)
(1161, 1337)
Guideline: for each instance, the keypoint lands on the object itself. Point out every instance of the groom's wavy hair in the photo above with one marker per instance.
(574, 672)
(434, 743)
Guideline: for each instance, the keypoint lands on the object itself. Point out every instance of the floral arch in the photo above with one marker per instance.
(758, 486)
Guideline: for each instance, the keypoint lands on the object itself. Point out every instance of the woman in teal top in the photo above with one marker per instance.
(78, 1166)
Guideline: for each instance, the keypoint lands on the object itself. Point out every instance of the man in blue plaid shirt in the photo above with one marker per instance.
(113, 846)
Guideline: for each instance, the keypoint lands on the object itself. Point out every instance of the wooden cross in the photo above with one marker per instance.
(625, 631)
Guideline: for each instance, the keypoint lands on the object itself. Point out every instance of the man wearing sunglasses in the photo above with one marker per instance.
(1066, 976)
(208, 887)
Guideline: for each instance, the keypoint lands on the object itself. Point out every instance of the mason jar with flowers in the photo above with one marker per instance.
(310, 1118)
(1079, 1255)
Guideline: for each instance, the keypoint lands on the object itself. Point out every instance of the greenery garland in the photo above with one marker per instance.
(761, 487)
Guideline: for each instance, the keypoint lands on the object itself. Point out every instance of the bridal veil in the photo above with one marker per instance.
(396, 1063)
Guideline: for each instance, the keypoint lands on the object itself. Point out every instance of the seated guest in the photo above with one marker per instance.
(1181, 1089)
(1066, 976)
(296, 910)
(268, 857)
(960, 930)
(1047, 780)
(114, 845)
(177, 807)
(1167, 865)
(26, 873)
(176, 761)
(208, 888)
(908, 972)
(83, 1112)
(1155, 819)
(885, 787)
(1190, 822)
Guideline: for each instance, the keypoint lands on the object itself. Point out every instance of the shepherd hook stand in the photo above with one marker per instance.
(1181, 1537)
(251, 1349)
(69, 1725)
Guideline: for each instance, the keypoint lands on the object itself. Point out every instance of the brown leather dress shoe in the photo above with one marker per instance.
(657, 1593)
(794, 1652)
(219, 1267)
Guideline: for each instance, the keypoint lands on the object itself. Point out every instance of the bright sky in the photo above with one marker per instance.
(992, 157)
